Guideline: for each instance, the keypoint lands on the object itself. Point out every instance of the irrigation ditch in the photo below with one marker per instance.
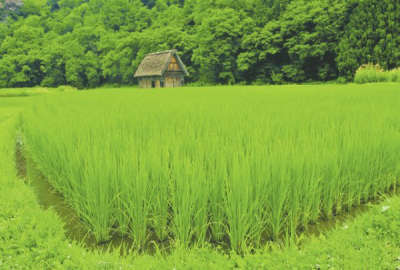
(77, 231)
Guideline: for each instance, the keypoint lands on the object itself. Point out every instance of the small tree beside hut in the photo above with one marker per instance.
(161, 69)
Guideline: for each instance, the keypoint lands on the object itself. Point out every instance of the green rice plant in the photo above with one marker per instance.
(232, 166)
(159, 212)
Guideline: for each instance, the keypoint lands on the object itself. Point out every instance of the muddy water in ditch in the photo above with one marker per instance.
(75, 229)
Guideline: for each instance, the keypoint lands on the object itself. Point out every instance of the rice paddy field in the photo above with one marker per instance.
(231, 167)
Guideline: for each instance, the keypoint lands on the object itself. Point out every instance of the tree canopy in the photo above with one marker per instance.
(92, 42)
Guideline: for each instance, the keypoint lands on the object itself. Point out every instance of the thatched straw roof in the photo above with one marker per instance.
(155, 64)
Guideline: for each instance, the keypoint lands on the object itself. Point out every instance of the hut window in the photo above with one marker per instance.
(153, 84)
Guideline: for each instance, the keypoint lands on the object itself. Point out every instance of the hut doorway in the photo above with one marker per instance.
(153, 84)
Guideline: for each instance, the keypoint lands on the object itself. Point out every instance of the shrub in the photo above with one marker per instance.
(371, 73)
(368, 73)
(395, 75)
(341, 80)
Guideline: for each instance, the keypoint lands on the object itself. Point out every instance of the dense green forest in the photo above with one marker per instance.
(88, 43)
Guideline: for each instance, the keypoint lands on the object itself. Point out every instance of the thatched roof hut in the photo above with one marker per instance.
(161, 69)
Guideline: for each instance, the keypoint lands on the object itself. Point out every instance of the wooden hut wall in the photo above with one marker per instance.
(151, 82)
(173, 65)
(174, 80)
(170, 80)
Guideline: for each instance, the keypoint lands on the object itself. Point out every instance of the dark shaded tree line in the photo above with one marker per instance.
(94, 42)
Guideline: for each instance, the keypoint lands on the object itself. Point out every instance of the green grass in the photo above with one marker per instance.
(26, 92)
(233, 166)
(33, 238)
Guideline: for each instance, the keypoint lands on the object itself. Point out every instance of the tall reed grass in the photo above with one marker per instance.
(370, 73)
(229, 166)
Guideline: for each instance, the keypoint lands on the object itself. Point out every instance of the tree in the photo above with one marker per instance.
(88, 43)
(21, 51)
(371, 36)
(219, 37)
